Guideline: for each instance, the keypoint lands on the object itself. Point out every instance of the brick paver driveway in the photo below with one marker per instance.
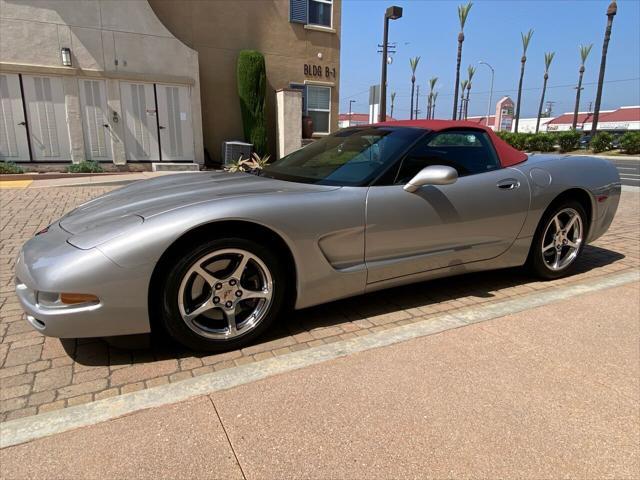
(39, 374)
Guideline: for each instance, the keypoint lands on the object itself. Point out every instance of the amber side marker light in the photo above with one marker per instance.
(75, 298)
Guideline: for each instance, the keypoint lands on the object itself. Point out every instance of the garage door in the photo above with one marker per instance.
(141, 124)
(13, 128)
(97, 132)
(175, 124)
(46, 116)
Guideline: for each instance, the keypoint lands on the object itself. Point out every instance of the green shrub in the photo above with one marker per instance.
(516, 140)
(521, 140)
(252, 84)
(568, 141)
(630, 142)
(601, 142)
(10, 168)
(85, 167)
(541, 142)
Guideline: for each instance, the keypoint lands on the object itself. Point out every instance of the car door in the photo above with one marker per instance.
(476, 218)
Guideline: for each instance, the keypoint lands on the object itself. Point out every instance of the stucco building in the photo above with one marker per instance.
(154, 80)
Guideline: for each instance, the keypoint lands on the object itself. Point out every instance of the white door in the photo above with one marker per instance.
(175, 124)
(13, 127)
(46, 112)
(97, 132)
(141, 127)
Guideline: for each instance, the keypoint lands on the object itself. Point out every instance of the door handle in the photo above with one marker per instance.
(508, 184)
(161, 127)
(106, 125)
(22, 123)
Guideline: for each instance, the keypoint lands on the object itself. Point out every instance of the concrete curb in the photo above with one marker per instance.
(26, 429)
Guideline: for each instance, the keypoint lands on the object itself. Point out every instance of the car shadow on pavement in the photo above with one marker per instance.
(364, 311)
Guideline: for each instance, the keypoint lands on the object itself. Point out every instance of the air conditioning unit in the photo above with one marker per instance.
(232, 151)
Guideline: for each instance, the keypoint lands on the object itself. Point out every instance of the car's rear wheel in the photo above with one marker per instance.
(559, 240)
(222, 295)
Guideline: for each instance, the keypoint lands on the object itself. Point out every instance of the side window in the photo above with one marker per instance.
(469, 152)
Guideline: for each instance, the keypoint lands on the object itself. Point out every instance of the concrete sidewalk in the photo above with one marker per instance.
(85, 180)
(549, 392)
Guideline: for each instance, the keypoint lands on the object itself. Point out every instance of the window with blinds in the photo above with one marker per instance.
(319, 107)
(311, 12)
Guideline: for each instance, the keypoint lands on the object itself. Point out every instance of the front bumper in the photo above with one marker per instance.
(47, 263)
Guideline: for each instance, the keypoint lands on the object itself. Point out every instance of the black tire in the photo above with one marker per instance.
(536, 262)
(171, 318)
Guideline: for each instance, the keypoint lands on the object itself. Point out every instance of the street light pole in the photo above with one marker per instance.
(350, 103)
(392, 13)
(490, 90)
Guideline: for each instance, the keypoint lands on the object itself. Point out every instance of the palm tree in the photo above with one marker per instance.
(463, 86)
(548, 58)
(433, 105)
(584, 53)
(526, 38)
(471, 71)
(414, 64)
(432, 86)
(393, 100)
(463, 13)
(611, 12)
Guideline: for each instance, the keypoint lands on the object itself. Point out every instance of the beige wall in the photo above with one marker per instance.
(110, 39)
(218, 30)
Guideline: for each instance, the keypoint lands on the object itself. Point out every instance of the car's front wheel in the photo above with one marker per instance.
(559, 240)
(222, 294)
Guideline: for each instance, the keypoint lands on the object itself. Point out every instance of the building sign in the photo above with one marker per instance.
(318, 71)
(504, 115)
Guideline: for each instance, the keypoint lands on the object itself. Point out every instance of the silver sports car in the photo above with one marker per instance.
(214, 258)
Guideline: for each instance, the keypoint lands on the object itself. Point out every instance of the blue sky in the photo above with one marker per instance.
(429, 29)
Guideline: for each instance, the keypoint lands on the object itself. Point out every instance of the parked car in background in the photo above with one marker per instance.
(585, 141)
(214, 258)
(615, 142)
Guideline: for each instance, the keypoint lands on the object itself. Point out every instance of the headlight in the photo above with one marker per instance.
(104, 232)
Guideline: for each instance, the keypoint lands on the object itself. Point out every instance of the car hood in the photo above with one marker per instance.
(147, 198)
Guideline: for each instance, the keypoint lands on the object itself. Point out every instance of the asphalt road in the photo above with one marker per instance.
(629, 171)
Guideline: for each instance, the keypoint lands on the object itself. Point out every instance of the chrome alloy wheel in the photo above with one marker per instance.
(225, 294)
(562, 239)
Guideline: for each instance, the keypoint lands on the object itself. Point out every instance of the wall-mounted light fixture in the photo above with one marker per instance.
(65, 55)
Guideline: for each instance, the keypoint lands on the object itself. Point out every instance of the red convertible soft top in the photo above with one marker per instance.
(506, 153)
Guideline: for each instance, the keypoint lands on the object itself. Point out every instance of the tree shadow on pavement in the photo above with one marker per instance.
(469, 289)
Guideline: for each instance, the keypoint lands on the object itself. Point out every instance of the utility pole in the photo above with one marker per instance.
(549, 108)
(417, 102)
(392, 13)
(350, 103)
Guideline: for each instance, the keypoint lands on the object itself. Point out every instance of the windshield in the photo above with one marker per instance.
(350, 157)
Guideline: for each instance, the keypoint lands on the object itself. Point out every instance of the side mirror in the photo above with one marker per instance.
(433, 175)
